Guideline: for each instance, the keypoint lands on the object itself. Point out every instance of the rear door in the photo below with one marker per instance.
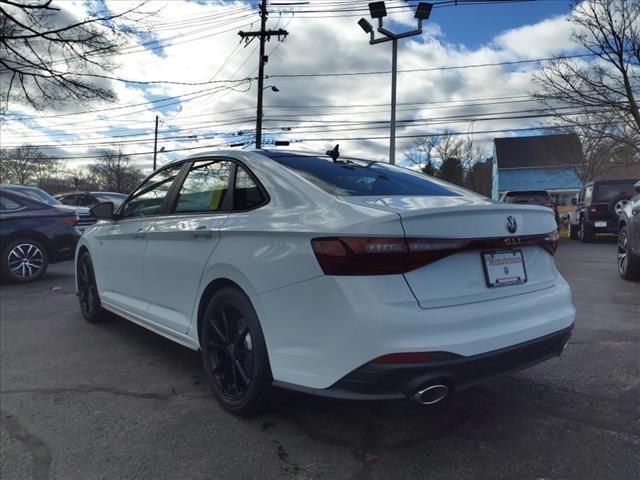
(118, 255)
(181, 242)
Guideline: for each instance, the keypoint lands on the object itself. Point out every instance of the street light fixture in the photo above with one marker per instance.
(378, 10)
(273, 88)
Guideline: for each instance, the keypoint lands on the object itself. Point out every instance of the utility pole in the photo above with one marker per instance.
(155, 145)
(263, 35)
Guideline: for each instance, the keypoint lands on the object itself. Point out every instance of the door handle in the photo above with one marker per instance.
(202, 234)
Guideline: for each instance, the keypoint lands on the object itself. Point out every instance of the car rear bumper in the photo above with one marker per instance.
(320, 331)
(378, 381)
(596, 226)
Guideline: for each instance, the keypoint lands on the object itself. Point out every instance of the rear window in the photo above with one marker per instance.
(527, 197)
(607, 192)
(361, 178)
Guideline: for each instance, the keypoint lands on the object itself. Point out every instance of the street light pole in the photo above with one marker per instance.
(394, 75)
(378, 10)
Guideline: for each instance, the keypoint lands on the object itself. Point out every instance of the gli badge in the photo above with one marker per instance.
(511, 224)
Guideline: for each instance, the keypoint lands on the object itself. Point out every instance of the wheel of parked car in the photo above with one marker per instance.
(628, 266)
(24, 260)
(574, 231)
(586, 234)
(234, 352)
(618, 204)
(88, 296)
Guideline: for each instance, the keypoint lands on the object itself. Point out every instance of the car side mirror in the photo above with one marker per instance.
(574, 201)
(103, 211)
(636, 186)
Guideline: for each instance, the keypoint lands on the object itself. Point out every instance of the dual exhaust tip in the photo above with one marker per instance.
(431, 394)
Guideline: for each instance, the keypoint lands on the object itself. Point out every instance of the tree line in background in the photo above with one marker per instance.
(111, 171)
(460, 161)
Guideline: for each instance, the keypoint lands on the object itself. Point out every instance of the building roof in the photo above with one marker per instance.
(542, 151)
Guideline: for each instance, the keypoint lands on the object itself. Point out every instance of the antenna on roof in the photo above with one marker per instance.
(335, 153)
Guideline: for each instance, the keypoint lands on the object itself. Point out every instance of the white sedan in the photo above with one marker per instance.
(337, 277)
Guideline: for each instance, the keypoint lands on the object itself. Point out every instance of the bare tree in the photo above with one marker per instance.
(114, 171)
(421, 154)
(49, 56)
(25, 165)
(605, 89)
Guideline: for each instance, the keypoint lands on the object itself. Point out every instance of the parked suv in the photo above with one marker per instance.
(599, 206)
(629, 238)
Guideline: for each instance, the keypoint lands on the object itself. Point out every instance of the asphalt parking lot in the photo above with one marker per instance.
(114, 401)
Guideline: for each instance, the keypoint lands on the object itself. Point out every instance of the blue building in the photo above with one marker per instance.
(543, 162)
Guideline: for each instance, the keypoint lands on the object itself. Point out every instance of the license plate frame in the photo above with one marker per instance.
(494, 280)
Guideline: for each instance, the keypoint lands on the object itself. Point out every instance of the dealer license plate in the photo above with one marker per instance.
(504, 268)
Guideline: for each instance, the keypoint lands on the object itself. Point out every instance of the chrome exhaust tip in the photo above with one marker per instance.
(431, 394)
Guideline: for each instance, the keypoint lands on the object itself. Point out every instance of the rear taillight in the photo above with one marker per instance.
(71, 220)
(391, 256)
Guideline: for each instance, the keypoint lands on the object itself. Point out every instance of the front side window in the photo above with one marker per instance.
(205, 187)
(246, 194)
(360, 178)
(149, 197)
(587, 193)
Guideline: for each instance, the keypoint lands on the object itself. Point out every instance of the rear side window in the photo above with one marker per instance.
(7, 204)
(361, 178)
(205, 188)
(527, 197)
(608, 192)
(246, 194)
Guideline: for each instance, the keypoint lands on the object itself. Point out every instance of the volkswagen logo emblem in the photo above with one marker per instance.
(511, 224)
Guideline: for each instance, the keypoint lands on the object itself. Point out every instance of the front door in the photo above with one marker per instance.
(181, 242)
(121, 243)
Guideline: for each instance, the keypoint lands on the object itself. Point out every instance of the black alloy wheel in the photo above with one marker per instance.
(88, 295)
(628, 267)
(234, 353)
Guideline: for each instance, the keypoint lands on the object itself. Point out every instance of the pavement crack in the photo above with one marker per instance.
(36, 447)
(89, 389)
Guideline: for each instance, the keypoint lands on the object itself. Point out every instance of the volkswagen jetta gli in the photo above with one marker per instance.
(345, 278)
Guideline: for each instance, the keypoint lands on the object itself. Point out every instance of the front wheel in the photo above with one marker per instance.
(628, 266)
(234, 353)
(573, 231)
(88, 296)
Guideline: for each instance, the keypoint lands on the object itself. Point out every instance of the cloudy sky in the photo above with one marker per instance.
(444, 80)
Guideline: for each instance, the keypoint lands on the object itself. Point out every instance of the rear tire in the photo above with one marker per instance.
(628, 265)
(586, 234)
(88, 296)
(573, 231)
(24, 260)
(234, 353)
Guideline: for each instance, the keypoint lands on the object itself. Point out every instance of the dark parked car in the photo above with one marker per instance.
(86, 219)
(532, 197)
(629, 238)
(599, 206)
(89, 199)
(33, 234)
